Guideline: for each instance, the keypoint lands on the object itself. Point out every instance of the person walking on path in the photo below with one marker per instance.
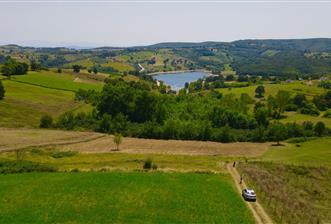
(234, 164)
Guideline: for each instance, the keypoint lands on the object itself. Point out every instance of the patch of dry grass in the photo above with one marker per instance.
(178, 147)
(11, 138)
(91, 142)
(291, 194)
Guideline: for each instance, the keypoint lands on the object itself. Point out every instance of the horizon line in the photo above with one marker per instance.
(95, 45)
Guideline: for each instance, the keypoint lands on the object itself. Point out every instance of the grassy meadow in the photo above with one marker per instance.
(30, 96)
(24, 104)
(315, 152)
(300, 118)
(66, 160)
(295, 87)
(60, 81)
(119, 66)
(120, 198)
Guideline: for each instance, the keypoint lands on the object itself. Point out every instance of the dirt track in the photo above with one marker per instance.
(258, 212)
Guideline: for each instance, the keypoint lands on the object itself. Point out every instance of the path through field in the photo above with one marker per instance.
(259, 214)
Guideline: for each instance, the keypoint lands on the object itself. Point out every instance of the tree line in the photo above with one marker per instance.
(138, 110)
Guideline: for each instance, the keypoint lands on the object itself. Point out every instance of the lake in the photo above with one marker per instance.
(177, 80)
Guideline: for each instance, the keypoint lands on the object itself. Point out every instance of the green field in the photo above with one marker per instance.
(314, 153)
(300, 118)
(60, 81)
(24, 104)
(119, 66)
(295, 87)
(120, 198)
(69, 160)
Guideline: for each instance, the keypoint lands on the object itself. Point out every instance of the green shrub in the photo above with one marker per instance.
(148, 164)
(62, 154)
(46, 121)
(310, 109)
(327, 114)
(300, 139)
(2, 91)
(319, 128)
(7, 167)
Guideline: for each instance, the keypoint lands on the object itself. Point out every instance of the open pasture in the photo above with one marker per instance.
(120, 198)
(60, 81)
(315, 152)
(24, 104)
(295, 87)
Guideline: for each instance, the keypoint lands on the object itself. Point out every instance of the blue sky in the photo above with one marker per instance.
(140, 23)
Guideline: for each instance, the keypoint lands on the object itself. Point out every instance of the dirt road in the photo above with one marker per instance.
(258, 212)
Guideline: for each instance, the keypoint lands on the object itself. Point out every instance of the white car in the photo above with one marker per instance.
(249, 194)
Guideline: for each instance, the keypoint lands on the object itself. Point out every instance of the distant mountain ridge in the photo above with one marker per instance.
(303, 44)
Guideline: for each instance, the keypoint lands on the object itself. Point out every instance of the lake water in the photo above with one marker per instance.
(177, 80)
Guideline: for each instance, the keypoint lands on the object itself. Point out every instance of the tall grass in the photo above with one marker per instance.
(291, 194)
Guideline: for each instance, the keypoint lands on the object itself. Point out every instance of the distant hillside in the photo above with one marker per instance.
(255, 57)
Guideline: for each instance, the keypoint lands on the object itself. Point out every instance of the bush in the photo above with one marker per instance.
(2, 91)
(66, 121)
(327, 114)
(319, 128)
(309, 108)
(62, 154)
(46, 121)
(300, 139)
(148, 164)
(24, 167)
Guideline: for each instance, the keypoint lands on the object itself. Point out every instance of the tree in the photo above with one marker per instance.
(300, 100)
(13, 67)
(229, 78)
(277, 132)
(67, 120)
(117, 140)
(95, 70)
(261, 116)
(46, 121)
(282, 99)
(319, 128)
(76, 68)
(259, 91)
(34, 66)
(2, 91)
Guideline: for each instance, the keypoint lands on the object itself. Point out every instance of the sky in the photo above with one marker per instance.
(130, 23)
